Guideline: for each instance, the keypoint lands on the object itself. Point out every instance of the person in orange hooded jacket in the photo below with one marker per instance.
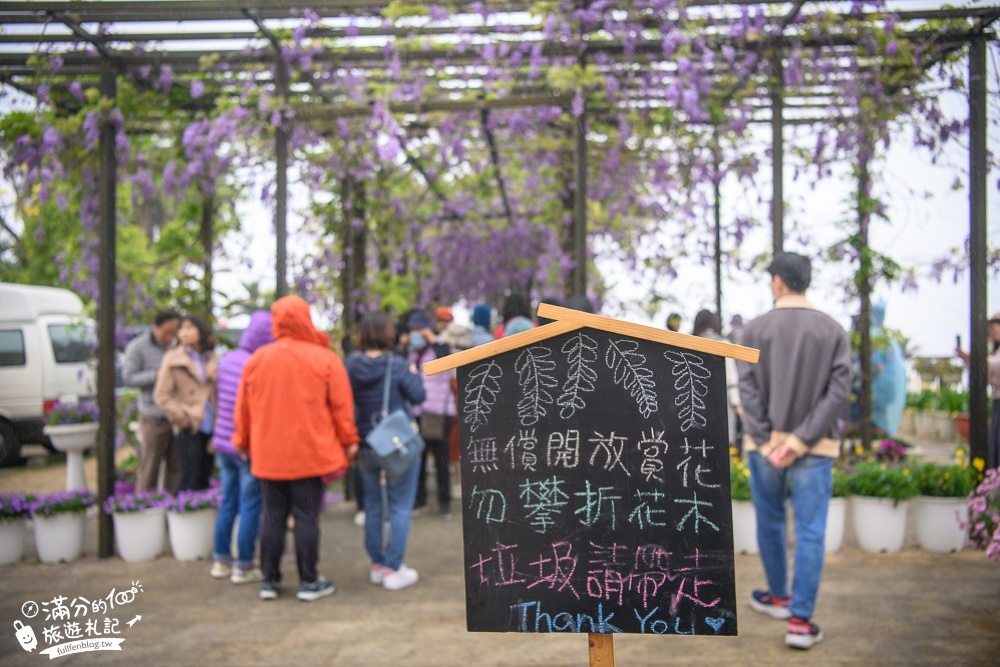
(294, 418)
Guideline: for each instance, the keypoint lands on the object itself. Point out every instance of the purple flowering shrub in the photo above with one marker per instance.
(890, 450)
(63, 502)
(193, 501)
(14, 506)
(83, 412)
(984, 512)
(137, 502)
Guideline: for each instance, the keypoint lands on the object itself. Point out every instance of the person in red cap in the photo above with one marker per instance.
(450, 331)
(294, 420)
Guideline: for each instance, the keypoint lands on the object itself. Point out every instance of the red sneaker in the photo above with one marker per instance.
(802, 634)
(772, 605)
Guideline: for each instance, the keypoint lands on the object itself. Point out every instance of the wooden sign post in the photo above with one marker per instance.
(595, 481)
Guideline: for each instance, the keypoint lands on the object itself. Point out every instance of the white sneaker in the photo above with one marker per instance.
(240, 576)
(359, 519)
(220, 570)
(399, 579)
(377, 574)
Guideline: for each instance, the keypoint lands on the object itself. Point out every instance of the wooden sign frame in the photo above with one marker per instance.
(565, 320)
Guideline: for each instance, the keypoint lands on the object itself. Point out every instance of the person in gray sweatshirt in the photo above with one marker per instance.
(792, 400)
(143, 357)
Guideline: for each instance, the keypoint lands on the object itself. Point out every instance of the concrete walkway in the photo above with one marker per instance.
(910, 608)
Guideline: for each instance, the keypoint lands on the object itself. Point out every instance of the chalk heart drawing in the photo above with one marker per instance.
(716, 623)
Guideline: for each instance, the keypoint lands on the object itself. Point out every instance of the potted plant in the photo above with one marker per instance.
(890, 451)
(126, 474)
(191, 522)
(139, 524)
(940, 512)
(880, 494)
(14, 509)
(907, 424)
(942, 369)
(744, 515)
(60, 524)
(72, 428)
(923, 418)
(836, 518)
(949, 404)
(958, 408)
(984, 515)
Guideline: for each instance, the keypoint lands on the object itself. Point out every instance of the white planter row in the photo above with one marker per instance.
(929, 425)
(139, 536)
(879, 525)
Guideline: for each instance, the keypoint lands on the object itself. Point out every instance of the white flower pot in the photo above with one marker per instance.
(74, 439)
(192, 534)
(879, 524)
(11, 541)
(924, 425)
(836, 519)
(59, 537)
(907, 424)
(944, 426)
(938, 523)
(140, 536)
(744, 527)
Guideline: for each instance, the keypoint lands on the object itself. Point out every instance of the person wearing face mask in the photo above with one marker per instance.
(436, 414)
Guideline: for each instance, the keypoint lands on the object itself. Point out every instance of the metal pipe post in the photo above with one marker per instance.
(978, 345)
(106, 318)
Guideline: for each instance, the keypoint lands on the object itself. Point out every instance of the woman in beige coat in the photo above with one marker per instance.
(185, 391)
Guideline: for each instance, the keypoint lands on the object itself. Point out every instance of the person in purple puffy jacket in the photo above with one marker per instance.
(240, 489)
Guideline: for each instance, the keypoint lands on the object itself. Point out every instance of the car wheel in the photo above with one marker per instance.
(10, 446)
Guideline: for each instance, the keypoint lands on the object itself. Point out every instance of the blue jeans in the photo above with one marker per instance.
(240, 495)
(809, 482)
(399, 495)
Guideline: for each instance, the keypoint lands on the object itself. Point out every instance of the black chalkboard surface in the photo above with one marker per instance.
(595, 488)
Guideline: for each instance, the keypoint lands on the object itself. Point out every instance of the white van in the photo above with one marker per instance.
(47, 350)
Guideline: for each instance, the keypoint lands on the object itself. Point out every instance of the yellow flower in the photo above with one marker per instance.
(906, 472)
(978, 464)
(947, 475)
(746, 472)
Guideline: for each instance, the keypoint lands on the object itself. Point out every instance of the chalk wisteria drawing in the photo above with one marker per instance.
(484, 385)
(534, 368)
(581, 351)
(631, 373)
(689, 380)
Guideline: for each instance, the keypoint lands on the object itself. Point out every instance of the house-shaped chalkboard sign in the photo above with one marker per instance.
(595, 479)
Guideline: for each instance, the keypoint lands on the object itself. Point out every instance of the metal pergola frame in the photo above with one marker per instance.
(30, 29)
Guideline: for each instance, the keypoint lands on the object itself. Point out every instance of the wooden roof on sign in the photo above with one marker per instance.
(567, 319)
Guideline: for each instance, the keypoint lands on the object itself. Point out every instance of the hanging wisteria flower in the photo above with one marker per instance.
(63, 502)
(137, 502)
(193, 501)
(14, 506)
(83, 412)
